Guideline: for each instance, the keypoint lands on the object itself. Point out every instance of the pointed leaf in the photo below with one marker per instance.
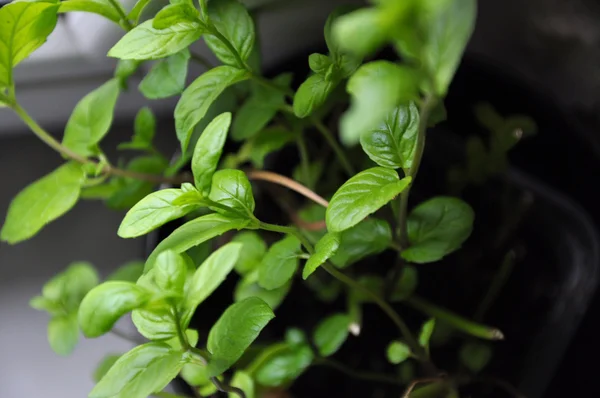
(170, 272)
(104, 366)
(237, 328)
(63, 333)
(324, 250)
(279, 264)
(136, 11)
(360, 32)
(100, 7)
(167, 77)
(42, 202)
(331, 333)
(312, 93)
(281, 364)
(362, 195)
(175, 14)
(426, 332)
(231, 188)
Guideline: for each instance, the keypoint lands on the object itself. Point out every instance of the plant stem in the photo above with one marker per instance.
(339, 152)
(288, 183)
(289, 231)
(121, 11)
(371, 376)
(201, 60)
(497, 284)
(213, 31)
(125, 336)
(180, 334)
(227, 388)
(304, 159)
(459, 322)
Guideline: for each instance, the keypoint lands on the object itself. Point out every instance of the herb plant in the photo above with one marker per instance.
(392, 103)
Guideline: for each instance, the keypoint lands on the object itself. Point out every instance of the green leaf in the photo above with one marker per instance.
(208, 151)
(426, 332)
(475, 356)
(279, 264)
(145, 42)
(254, 249)
(153, 211)
(170, 272)
(362, 195)
(369, 237)
(232, 21)
(437, 227)
(140, 372)
(331, 333)
(406, 285)
(78, 280)
(248, 287)
(237, 328)
(100, 7)
(372, 283)
(280, 364)
(192, 338)
(144, 127)
(319, 63)
(376, 89)
(195, 375)
(63, 333)
(196, 232)
(393, 143)
(243, 381)
(42, 202)
(209, 276)
(174, 14)
(155, 325)
(360, 32)
(129, 272)
(312, 93)
(266, 142)
(42, 303)
(324, 250)
(231, 188)
(167, 77)
(398, 352)
(103, 367)
(25, 27)
(136, 11)
(295, 337)
(106, 303)
(197, 98)
(91, 119)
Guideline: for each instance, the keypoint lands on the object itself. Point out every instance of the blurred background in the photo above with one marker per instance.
(552, 46)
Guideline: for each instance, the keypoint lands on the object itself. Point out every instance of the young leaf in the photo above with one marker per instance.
(436, 228)
(331, 333)
(237, 328)
(91, 118)
(398, 352)
(281, 364)
(198, 96)
(106, 303)
(42, 303)
(100, 7)
(371, 236)
(231, 188)
(208, 151)
(146, 369)
(312, 93)
(426, 332)
(174, 14)
(63, 333)
(231, 19)
(279, 264)
(475, 356)
(209, 276)
(144, 127)
(153, 211)
(376, 89)
(136, 11)
(25, 27)
(248, 287)
(254, 249)
(406, 284)
(167, 77)
(103, 367)
(42, 202)
(243, 381)
(129, 272)
(145, 42)
(196, 232)
(170, 272)
(392, 144)
(192, 338)
(77, 280)
(268, 141)
(319, 63)
(360, 32)
(324, 250)
(362, 195)
(155, 325)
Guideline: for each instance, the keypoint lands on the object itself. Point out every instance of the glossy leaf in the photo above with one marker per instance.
(146, 369)
(91, 119)
(231, 188)
(324, 250)
(398, 352)
(63, 333)
(170, 272)
(475, 356)
(209, 276)
(208, 151)
(100, 7)
(42, 202)
(362, 195)
(319, 63)
(145, 42)
(25, 27)
(153, 211)
(197, 98)
(436, 228)
(106, 303)
(393, 143)
(426, 332)
(233, 22)
(243, 381)
(376, 89)
(312, 93)
(137, 10)
(235, 330)
(369, 237)
(167, 77)
(331, 333)
(254, 249)
(248, 287)
(129, 272)
(154, 325)
(406, 285)
(104, 366)
(281, 364)
(175, 14)
(279, 264)
(196, 232)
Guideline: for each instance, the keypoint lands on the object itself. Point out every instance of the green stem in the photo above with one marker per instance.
(213, 31)
(339, 152)
(376, 377)
(457, 321)
(304, 159)
(201, 60)
(227, 388)
(180, 334)
(121, 11)
(289, 231)
(498, 283)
